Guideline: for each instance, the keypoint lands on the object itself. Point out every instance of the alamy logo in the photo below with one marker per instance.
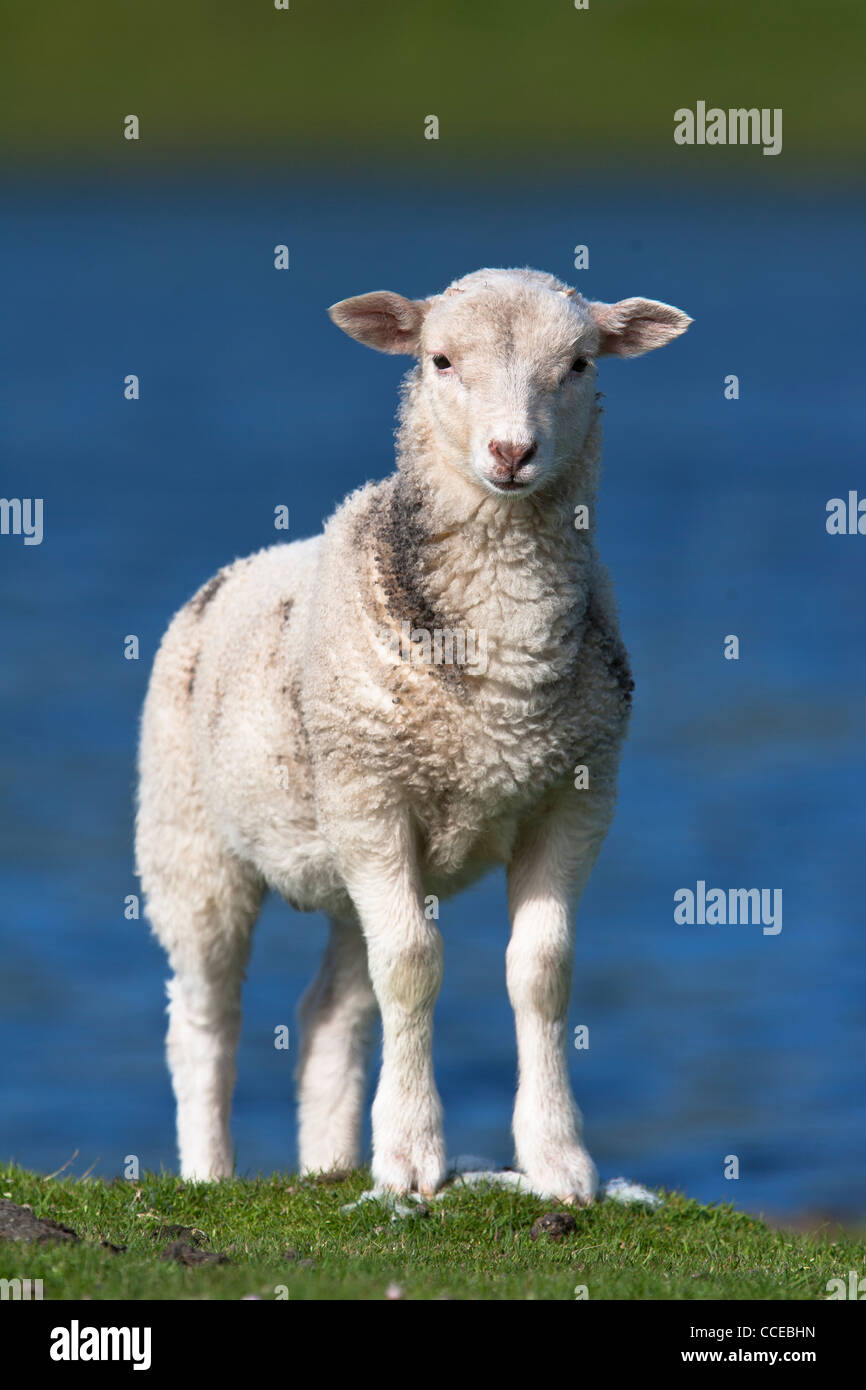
(76, 1343)
(856, 1287)
(737, 906)
(846, 518)
(22, 516)
(21, 1290)
(737, 126)
(445, 646)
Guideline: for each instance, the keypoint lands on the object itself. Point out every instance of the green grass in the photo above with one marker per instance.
(472, 1244)
(355, 82)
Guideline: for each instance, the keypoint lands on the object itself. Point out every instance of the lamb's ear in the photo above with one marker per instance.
(633, 326)
(382, 320)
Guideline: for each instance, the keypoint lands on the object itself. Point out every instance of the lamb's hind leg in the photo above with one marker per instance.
(336, 1016)
(203, 903)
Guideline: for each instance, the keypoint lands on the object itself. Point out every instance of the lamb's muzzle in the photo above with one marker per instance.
(290, 741)
(511, 463)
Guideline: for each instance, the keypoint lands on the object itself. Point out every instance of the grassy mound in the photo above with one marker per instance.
(286, 1237)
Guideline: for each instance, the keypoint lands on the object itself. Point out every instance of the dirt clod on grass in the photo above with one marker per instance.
(19, 1223)
(185, 1254)
(191, 1234)
(554, 1224)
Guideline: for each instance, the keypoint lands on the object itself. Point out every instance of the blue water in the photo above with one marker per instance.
(705, 1041)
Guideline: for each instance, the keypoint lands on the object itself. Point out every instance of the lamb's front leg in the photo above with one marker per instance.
(404, 952)
(552, 861)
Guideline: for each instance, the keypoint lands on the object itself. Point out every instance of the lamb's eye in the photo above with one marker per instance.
(440, 361)
(579, 364)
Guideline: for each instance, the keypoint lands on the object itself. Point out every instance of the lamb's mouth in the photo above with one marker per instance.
(511, 484)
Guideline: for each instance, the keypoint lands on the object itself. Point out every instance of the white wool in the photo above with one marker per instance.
(290, 740)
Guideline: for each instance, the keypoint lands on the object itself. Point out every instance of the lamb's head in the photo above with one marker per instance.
(506, 374)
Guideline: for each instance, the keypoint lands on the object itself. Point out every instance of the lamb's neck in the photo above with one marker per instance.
(513, 574)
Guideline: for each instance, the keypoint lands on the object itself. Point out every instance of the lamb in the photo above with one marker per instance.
(293, 738)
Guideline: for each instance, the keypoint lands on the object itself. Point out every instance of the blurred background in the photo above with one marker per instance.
(305, 127)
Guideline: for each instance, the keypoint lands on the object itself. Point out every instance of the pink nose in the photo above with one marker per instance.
(510, 457)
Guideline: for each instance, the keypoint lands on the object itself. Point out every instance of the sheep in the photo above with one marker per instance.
(293, 739)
